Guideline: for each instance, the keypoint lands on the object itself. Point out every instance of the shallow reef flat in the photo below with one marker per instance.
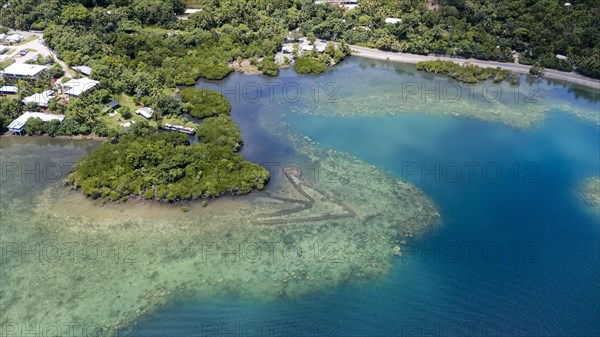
(523, 106)
(120, 261)
(590, 192)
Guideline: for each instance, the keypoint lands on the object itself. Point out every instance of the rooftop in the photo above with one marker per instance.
(83, 69)
(392, 20)
(18, 124)
(78, 86)
(9, 89)
(23, 69)
(145, 111)
(41, 99)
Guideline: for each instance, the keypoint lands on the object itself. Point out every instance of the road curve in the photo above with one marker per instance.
(571, 77)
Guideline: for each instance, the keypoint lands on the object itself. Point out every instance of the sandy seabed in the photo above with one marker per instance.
(103, 266)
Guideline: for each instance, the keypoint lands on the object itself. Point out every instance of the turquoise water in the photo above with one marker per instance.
(517, 253)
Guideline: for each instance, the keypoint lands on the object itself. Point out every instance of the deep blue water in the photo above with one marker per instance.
(516, 254)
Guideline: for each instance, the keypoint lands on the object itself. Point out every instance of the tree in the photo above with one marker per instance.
(205, 103)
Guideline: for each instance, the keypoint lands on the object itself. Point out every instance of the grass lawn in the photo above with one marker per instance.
(113, 122)
(179, 121)
(126, 100)
(6, 63)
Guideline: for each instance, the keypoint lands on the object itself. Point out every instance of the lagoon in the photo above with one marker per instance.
(514, 253)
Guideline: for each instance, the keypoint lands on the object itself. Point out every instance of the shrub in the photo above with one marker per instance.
(307, 65)
(268, 67)
(205, 103)
(536, 70)
(126, 112)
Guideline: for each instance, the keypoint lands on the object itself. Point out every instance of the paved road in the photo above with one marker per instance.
(41, 49)
(517, 68)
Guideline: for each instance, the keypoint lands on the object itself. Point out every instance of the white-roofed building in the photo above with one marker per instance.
(145, 111)
(307, 47)
(9, 89)
(18, 124)
(41, 99)
(84, 70)
(15, 38)
(187, 13)
(320, 47)
(127, 124)
(561, 57)
(78, 86)
(23, 71)
(392, 21)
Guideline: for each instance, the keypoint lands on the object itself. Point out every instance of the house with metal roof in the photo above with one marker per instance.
(23, 71)
(18, 124)
(41, 99)
(78, 86)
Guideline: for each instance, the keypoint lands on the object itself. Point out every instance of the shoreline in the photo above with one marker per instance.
(571, 77)
(74, 137)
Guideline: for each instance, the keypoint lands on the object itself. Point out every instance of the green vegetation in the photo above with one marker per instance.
(203, 103)
(307, 64)
(312, 62)
(6, 63)
(482, 29)
(138, 49)
(164, 166)
(140, 36)
(536, 70)
(9, 110)
(268, 67)
(467, 73)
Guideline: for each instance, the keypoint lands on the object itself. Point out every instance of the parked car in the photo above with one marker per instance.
(23, 52)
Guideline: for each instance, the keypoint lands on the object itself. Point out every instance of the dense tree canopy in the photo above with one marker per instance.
(116, 31)
(205, 103)
(164, 166)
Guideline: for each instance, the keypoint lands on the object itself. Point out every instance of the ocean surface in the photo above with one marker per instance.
(517, 251)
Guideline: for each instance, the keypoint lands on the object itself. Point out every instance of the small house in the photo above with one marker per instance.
(9, 90)
(18, 124)
(14, 38)
(83, 69)
(146, 112)
(76, 87)
(392, 21)
(113, 105)
(41, 99)
(23, 71)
